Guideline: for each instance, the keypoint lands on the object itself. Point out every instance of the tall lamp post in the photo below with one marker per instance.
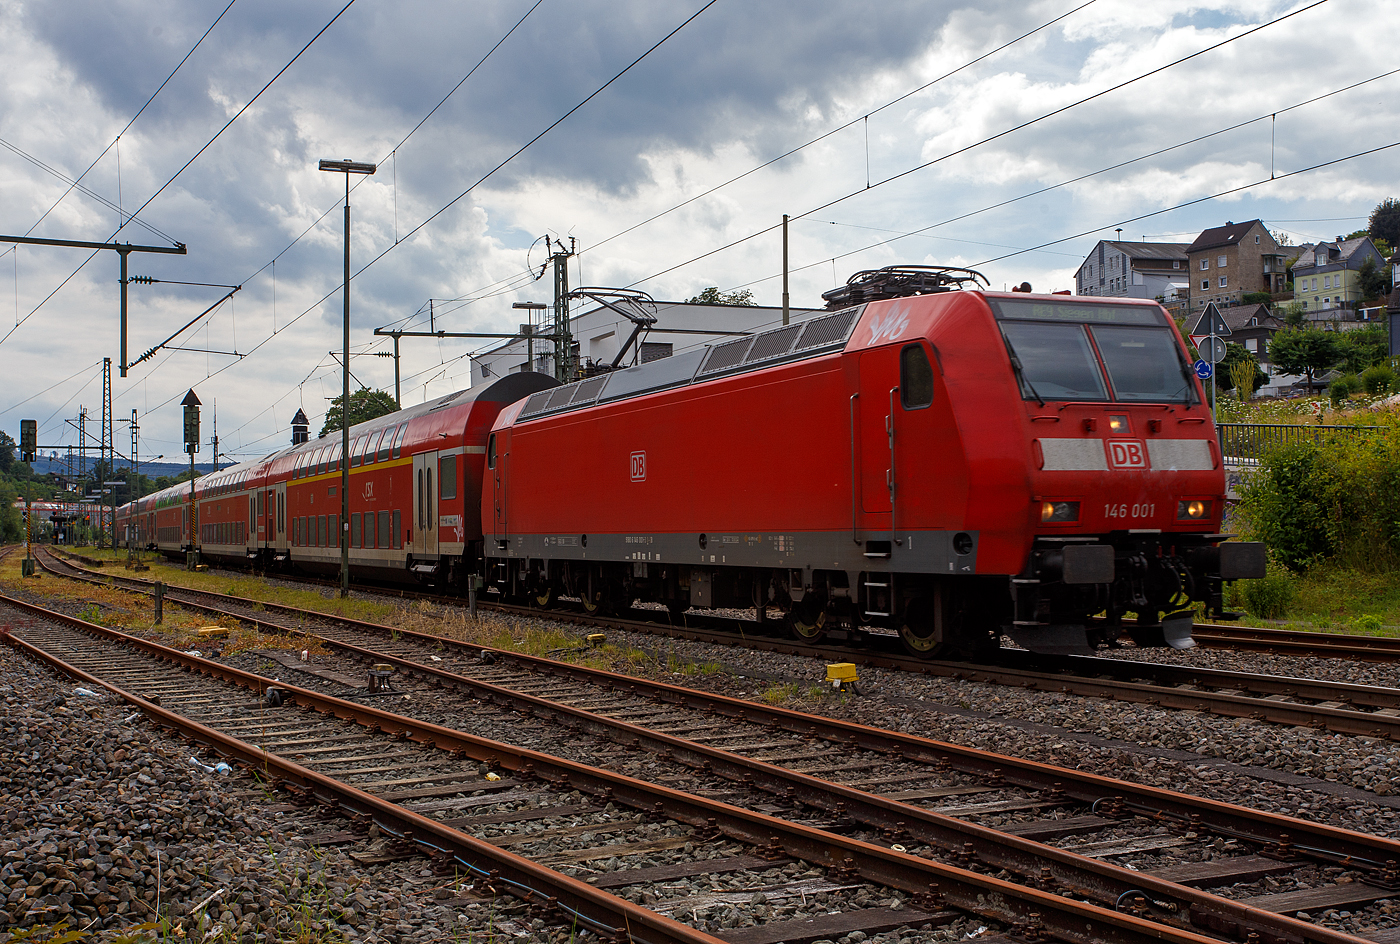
(347, 168)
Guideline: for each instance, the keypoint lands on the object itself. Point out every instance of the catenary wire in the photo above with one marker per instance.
(481, 180)
(76, 181)
(963, 150)
(184, 166)
(1082, 177)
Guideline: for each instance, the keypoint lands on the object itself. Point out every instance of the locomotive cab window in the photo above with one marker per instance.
(915, 378)
(1075, 350)
(491, 451)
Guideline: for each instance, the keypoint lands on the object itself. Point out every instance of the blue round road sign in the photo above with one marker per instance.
(1203, 369)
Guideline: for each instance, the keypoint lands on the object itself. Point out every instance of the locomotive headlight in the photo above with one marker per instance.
(1053, 512)
(1192, 509)
(1118, 424)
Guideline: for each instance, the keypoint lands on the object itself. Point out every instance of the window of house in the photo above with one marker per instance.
(1256, 239)
(1220, 262)
(1176, 263)
(1222, 281)
(1327, 281)
(1205, 285)
(1314, 284)
(1205, 264)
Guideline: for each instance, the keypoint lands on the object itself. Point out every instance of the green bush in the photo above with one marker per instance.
(1379, 378)
(1332, 497)
(1270, 596)
(1342, 388)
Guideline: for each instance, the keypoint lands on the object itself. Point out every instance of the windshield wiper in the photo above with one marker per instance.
(1020, 371)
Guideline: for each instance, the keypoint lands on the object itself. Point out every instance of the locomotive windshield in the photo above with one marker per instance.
(1084, 351)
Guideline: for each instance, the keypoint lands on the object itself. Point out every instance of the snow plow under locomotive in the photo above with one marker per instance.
(947, 466)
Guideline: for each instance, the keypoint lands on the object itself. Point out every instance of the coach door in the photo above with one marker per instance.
(279, 518)
(425, 498)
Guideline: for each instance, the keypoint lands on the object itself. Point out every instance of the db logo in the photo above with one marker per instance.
(1126, 454)
(639, 466)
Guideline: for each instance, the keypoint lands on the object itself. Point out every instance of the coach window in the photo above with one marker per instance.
(491, 451)
(447, 477)
(355, 452)
(398, 439)
(371, 447)
(386, 442)
(915, 378)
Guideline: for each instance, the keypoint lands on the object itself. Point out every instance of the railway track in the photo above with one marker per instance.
(776, 752)
(1338, 707)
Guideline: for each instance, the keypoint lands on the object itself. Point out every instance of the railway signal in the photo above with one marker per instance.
(191, 405)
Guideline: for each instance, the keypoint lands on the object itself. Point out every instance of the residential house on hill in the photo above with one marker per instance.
(1133, 270)
(1325, 277)
(1228, 262)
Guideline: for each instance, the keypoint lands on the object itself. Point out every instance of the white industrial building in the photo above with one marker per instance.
(599, 334)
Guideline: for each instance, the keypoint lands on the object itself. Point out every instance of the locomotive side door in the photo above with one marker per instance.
(425, 500)
(874, 417)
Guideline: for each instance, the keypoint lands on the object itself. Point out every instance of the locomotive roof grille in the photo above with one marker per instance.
(777, 345)
(727, 355)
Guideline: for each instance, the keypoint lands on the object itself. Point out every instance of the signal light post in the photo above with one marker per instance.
(28, 449)
(347, 168)
(191, 405)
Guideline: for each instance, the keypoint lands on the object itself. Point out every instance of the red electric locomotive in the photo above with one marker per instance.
(945, 466)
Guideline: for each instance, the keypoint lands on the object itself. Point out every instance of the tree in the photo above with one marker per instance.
(1385, 222)
(7, 451)
(1363, 348)
(713, 296)
(1229, 374)
(365, 405)
(1292, 314)
(1306, 351)
(1281, 238)
(1371, 278)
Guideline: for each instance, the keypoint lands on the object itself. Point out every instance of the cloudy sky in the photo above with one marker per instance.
(884, 110)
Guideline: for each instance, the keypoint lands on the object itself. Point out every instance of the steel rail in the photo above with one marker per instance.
(1278, 833)
(1032, 911)
(1066, 871)
(1293, 642)
(612, 917)
(1371, 696)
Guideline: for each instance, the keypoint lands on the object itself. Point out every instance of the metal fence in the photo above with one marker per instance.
(1249, 441)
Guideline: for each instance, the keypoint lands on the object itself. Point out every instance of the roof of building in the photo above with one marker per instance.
(1237, 317)
(1228, 235)
(1346, 247)
(1149, 250)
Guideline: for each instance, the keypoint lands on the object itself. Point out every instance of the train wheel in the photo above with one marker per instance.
(806, 621)
(920, 630)
(545, 596)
